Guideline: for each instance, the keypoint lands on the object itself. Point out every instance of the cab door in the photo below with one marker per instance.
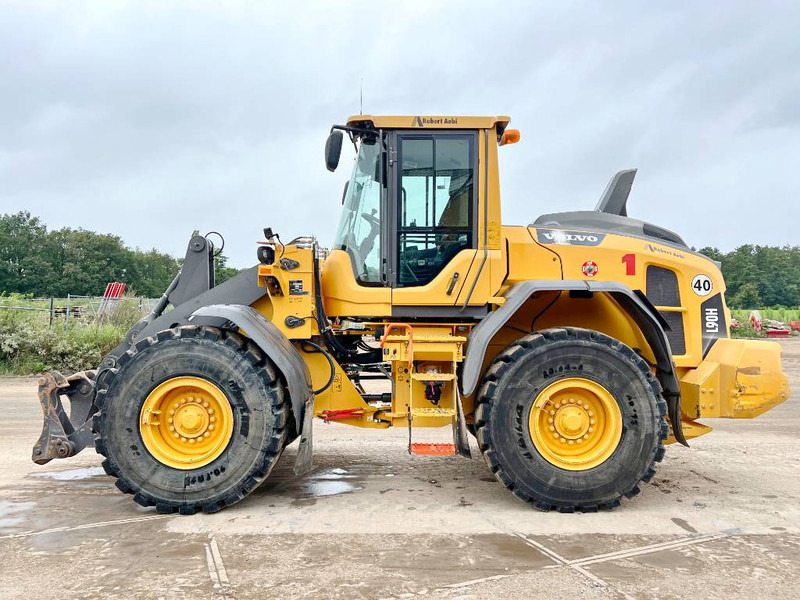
(433, 221)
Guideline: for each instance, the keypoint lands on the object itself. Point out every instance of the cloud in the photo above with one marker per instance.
(149, 120)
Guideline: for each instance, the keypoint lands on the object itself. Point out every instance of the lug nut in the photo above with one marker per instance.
(205, 404)
(172, 428)
(552, 428)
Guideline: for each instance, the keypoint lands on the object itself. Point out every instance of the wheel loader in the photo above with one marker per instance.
(572, 349)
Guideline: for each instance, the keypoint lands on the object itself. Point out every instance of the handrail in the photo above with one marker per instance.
(410, 331)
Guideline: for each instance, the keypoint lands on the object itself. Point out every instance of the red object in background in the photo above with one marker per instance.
(795, 325)
(114, 290)
(755, 320)
(778, 333)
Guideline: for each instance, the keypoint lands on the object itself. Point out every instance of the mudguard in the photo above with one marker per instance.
(274, 344)
(636, 305)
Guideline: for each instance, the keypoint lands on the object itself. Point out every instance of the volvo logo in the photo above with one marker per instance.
(569, 238)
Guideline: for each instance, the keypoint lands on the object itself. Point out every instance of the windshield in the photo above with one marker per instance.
(359, 227)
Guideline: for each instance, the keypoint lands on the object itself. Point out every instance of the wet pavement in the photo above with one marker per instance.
(719, 520)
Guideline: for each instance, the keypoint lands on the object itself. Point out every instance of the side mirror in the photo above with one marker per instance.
(333, 150)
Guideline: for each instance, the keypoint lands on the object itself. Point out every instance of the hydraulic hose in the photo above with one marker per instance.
(322, 319)
(330, 364)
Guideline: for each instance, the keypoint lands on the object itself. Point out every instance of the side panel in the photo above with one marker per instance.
(342, 294)
(596, 256)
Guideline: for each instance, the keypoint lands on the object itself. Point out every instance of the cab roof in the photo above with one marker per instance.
(429, 121)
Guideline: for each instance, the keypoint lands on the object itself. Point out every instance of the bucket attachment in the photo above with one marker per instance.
(64, 436)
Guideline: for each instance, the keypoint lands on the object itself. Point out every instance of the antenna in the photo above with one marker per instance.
(361, 98)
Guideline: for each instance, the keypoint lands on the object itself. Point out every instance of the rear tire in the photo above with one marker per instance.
(249, 382)
(519, 454)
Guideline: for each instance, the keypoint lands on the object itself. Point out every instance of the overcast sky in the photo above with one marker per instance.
(151, 119)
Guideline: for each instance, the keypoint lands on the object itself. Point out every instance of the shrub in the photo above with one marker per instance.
(29, 345)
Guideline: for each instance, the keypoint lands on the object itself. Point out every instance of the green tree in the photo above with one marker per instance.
(712, 253)
(222, 272)
(24, 267)
(746, 297)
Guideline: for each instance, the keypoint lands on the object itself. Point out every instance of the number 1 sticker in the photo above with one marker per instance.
(702, 285)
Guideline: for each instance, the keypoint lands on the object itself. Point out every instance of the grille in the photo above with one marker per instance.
(662, 287)
(677, 340)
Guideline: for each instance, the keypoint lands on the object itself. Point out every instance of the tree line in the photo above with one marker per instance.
(65, 261)
(42, 263)
(760, 276)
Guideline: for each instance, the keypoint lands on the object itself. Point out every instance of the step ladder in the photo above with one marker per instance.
(455, 415)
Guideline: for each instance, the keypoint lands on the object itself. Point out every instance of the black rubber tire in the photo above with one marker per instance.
(252, 385)
(509, 389)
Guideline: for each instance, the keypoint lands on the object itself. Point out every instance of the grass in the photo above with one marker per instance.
(784, 315)
(29, 345)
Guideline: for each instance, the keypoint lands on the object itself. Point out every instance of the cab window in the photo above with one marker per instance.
(436, 204)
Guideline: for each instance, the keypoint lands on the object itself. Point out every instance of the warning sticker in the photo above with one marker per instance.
(296, 287)
(589, 268)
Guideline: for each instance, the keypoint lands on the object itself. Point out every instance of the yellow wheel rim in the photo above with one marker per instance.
(575, 424)
(186, 422)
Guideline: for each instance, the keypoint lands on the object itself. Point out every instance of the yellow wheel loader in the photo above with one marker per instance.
(573, 349)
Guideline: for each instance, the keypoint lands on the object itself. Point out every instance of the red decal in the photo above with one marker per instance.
(630, 264)
(589, 268)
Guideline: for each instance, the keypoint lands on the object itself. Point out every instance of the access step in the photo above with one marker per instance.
(432, 412)
(432, 449)
(433, 376)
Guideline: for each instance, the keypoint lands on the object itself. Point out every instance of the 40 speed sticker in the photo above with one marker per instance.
(702, 285)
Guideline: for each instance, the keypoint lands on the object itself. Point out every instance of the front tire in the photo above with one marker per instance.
(193, 420)
(571, 419)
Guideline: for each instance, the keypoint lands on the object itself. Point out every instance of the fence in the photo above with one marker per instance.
(72, 308)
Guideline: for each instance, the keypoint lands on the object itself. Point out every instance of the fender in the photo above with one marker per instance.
(633, 303)
(275, 345)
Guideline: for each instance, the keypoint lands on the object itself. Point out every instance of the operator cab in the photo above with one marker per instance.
(424, 193)
(411, 204)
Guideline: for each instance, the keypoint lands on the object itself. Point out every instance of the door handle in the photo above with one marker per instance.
(452, 283)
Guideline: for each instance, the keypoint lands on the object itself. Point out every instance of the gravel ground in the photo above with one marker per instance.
(719, 520)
